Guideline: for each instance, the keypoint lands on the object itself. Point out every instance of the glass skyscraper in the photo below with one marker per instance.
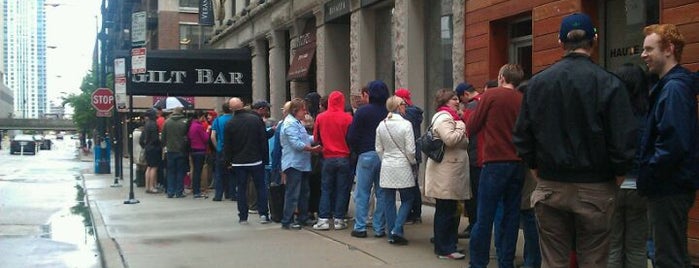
(24, 56)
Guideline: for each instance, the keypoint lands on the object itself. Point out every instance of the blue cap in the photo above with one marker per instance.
(577, 21)
(463, 87)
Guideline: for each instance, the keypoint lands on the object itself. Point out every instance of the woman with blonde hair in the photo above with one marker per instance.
(447, 181)
(395, 146)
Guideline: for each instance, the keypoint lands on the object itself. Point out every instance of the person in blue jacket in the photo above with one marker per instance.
(669, 149)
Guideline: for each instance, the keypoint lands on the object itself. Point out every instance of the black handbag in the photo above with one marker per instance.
(431, 146)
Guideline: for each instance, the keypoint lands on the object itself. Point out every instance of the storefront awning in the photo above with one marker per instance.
(301, 62)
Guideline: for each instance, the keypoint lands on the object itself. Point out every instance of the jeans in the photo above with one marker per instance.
(257, 173)
(297, 193)
(627, 241)
(176, 168)
(471, 205)
(335, 182)
(223, 179)
(446, 226)
(368, 167)
(416, 208)
(394, 222)
(501, 181)
(532, 253)
(668, 216)
(198, 165)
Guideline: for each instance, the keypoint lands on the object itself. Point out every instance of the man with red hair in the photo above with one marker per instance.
(669, 151)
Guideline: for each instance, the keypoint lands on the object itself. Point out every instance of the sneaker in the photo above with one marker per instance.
(295, 226)
(198, 196)
(379, 235)
(180, 195)
(243, 222)
(397, 240)
(252, 211)
(340, 224)
(453, 256)
(264, 219)
(323, 224)
(359, 234)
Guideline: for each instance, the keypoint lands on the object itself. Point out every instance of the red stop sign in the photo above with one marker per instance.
(103, 99)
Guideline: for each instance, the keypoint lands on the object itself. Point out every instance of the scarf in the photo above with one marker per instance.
(450, 111)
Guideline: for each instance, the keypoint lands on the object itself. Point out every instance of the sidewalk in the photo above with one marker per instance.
(187, 232)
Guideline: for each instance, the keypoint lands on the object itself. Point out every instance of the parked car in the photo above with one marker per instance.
(23, 143)
(44, 143)
(59, 136)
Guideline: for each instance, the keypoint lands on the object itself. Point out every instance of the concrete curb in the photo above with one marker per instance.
(110, 255)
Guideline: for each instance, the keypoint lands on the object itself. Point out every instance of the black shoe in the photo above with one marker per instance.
(398, 240)
(466, 234)
(417, 220)
(359, 234)
(217, 199)
(170, 195)
(181, 195)
(379, 235)
(432, 240)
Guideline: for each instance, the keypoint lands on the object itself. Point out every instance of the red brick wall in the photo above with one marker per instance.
(168, 30)
(684, 14)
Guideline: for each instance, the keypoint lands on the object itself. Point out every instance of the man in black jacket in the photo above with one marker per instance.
(247, 152)
(573, 131)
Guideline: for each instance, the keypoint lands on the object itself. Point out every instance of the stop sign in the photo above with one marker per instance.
(103, 99)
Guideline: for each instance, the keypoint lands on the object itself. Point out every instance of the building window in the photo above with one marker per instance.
(193, 36)
(189, 3)
(621, 38)
(521, 45)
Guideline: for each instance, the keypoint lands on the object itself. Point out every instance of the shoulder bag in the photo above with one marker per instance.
(431, 146)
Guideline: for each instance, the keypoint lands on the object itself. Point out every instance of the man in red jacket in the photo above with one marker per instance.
(502, 175)
(330, 130)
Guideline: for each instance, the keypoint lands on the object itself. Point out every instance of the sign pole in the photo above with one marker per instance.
(138, 38)
(129, 125)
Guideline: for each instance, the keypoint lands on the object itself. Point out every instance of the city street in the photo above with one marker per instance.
(43, 219)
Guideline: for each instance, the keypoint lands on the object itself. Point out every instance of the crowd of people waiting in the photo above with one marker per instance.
(554, 156)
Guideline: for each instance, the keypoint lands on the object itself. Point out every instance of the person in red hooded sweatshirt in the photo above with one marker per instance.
(330, 130)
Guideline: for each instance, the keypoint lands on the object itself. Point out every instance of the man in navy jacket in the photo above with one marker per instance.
(669, 150)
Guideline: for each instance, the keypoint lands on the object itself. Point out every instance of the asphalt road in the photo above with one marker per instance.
(43, 218)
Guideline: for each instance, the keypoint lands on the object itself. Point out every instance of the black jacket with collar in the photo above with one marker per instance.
(575, 123)
(245, 139)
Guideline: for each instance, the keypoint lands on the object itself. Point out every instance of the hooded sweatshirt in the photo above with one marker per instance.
(669, 152)
(331, 127)
(174, 131)
(362, 132)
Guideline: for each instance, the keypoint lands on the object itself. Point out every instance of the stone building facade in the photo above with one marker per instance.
(302, 46)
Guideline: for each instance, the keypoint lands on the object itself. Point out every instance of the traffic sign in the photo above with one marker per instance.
(138, 60)
(103, 99)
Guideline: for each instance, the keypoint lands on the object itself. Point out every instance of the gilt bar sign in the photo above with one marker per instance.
(220, 72)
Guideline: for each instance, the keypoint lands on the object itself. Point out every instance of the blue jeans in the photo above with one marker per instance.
(176, 168)
(499, 182)
(532, 253)
(446, 226)
(394, 222)
(368, 167)
(198, 165)
(297, 193)
(223, 179)
(335, 182)
(257, 173)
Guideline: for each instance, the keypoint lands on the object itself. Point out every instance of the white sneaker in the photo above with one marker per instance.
(264, 219)
(323, 224)
(340, 224)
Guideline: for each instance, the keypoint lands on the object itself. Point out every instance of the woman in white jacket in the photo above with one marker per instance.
(395, 145)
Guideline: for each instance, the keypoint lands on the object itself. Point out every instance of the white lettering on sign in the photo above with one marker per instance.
(102, 99)
(206, 76)
(160, 77)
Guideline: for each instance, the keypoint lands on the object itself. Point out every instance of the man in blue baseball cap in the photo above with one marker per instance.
(577, 147)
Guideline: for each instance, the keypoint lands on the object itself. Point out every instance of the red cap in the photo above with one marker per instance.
(405, 95)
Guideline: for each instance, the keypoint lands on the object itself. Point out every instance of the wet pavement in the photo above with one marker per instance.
(44, 220)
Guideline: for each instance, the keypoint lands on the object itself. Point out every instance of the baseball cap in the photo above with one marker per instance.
(404, 94)
(463, 87)
(260, 104)
(577, 21)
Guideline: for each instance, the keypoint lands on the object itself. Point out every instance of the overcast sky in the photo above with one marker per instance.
(71, 28)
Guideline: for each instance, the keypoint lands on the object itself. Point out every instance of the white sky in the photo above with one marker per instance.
(71, 27)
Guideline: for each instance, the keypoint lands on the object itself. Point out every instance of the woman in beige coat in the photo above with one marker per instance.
(447, 181)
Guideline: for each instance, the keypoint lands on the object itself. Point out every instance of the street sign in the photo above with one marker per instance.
(138, 60)
(119, 67)
(103, 100)
(138, 29)
(120, 93)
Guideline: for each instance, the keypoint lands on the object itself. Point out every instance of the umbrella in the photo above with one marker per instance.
(170, 103)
